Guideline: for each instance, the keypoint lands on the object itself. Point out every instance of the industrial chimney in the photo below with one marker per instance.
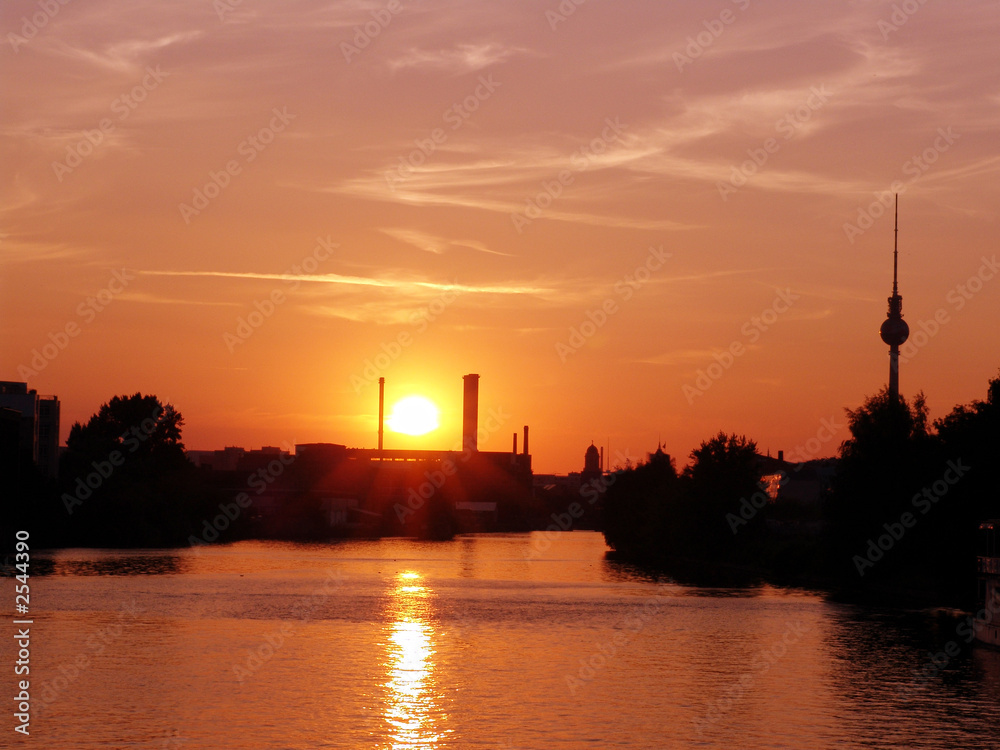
(525, 446)
(470, 413)
(381, 410)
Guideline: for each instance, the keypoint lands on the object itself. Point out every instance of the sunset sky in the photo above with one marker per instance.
(280, 202)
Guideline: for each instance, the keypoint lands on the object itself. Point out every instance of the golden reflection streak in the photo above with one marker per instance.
(409, 690)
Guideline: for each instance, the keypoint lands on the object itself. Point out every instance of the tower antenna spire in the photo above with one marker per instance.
(895, 250)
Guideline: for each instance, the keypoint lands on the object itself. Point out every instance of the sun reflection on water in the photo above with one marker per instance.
(410, 709)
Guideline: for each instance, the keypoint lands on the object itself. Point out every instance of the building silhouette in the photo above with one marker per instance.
(579, 493)
(235, 458)
(38, 429)
(377, 491)
(591, 464)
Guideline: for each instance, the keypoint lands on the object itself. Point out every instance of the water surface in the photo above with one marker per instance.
(490, 641)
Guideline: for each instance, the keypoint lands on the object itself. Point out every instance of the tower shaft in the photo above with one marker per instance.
(894, 374)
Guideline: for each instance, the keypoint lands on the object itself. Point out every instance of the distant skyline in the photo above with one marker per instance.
(636, 221)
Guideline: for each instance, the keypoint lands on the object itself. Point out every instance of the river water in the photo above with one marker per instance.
(486, 641)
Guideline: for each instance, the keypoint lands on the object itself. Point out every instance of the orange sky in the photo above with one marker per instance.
(672, 180)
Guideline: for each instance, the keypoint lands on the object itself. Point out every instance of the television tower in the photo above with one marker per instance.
(894, 330)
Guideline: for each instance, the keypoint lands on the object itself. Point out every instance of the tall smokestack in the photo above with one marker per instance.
(514, 451)
(470, 413)
(526, 440)
(381, 410)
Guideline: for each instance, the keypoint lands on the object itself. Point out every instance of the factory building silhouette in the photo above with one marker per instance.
(427, 493)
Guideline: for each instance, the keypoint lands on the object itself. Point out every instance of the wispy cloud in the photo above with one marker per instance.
(432, 243)
(121, 56)
(462, 58)
(501, 185)
(155, 299)
(401, 285)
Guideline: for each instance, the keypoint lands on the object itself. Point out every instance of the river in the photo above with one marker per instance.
(487, 641)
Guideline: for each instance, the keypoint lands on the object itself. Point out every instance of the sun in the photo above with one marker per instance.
(413, 415)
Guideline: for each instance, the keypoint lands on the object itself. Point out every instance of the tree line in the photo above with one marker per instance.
(901, 514)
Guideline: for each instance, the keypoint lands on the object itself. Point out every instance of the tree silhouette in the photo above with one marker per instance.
(970, 434)
(654, 515)
(124, 478)
(882, 462)
(723, 471)
(888, 460)
(723, 465)
(138, 425)
(883, 427)
(641, 508)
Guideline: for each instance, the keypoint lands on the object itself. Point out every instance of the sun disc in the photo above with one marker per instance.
(413, 415)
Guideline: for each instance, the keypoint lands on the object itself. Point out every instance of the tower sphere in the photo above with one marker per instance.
(894, 331)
